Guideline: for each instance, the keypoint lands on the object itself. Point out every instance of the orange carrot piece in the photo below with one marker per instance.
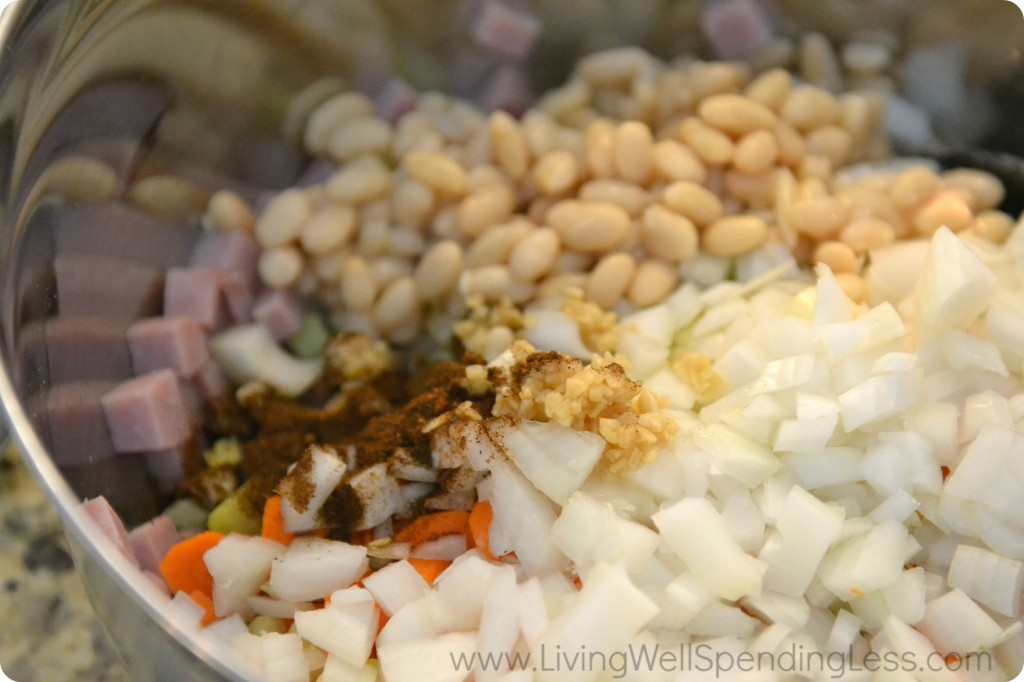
(183, 567)
(273, 523)
(207, 604)
(480, 527)
(429, 569)
(433, 526)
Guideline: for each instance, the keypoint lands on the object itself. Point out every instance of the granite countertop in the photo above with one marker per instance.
(48, 630)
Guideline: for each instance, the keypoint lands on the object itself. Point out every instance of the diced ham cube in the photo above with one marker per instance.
(237, 295)
(280, 312)
(394, 99)
(147, 413)
(169, 466)
(228, 251)
(210, 382)
(119, 230)
(737, 29)
(78, 429)
(505, 89)
(150, 542)
(101, 286)
(174, 343)
(80, 348)
(195, 293)
(110, 524)
(505, 30)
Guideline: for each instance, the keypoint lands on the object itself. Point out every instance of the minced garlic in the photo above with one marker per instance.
(599, 328)
(358, 358)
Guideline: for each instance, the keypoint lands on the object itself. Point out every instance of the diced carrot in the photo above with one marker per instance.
(434, 526)
(207, 604)
(362, 537)
(273, 522)
(429, 569)
(183, 567)
(480, 527)
(384, 618)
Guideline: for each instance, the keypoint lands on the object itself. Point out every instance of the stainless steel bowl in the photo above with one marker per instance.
(201, 87)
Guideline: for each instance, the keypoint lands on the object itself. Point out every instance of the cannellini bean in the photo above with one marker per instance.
(711, 145)
(839, 257)
(947, 209)
(912, 187)
(676, 162)
(374, 238)
(535, 255)
(855, 117)
(771, 88)
(358, 287)
(666, 234)
(328, 229)
(496, 244)
(387, 270)
(864, 234)
(490, 281)
(330, 115)
(756, 189)
(485, 208)
(735, 235)
(819, 217)
(994, 226)
(411, 203)
(808, 107)
(832, 142)
(630, 198)
(328, 268)
(281, 266)
(609, 67)
(819, 64)
(652, 282)
(437, 171)
(509, 145)
(556, 172)
(815, 167)
(712, 78)
(697, 203)
(633, 146)
(555, 286)
(985, 190)
(854, 286)
(354, 138)
(610, 279)
(283, 218)
(228, 211)
(169, 196)
(589, 227)
(407, 242)
(756, 152)
(439, 270)
(792, 147)
(735, 114)
(571, 261)
(601, 148)
(863, 57)
(360, 182)
(396, 304)
(541, 132)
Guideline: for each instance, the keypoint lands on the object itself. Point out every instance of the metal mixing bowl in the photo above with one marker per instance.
(201, 88)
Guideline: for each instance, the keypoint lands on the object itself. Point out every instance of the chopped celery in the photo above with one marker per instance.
(187, 514)
(309, 341)
(226, 452)
(228, 517)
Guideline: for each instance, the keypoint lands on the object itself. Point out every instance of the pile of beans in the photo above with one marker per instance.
(611, 184)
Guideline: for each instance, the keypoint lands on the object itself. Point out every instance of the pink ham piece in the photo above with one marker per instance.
(737, 29)
(118, 230)
(78, 430)
(147, 413)
(505, 30)
(100, 286)
(80, 348)
(227, 251)
(195, 293)
(394, 99)
(168, 466)
(110, 524)
(150, 542)
(210, 382)
(237, 295)
(280, 312)
(174, 343)
(505, 89)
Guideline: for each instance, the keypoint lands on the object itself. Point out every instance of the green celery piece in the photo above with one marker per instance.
(226, 452)
(228, 517)
(308, 343)
(187, 514)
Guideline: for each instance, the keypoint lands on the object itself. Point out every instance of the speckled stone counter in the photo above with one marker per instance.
(48, 631)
